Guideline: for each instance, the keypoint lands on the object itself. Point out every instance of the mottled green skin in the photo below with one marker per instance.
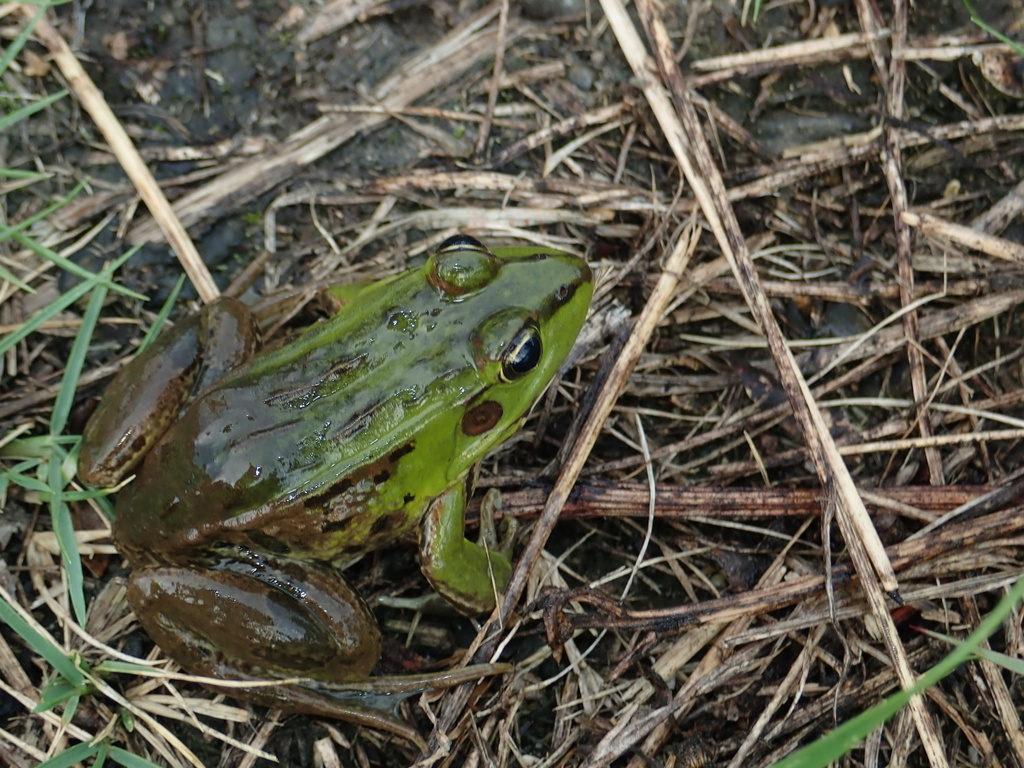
(358, 434)
(336, 442)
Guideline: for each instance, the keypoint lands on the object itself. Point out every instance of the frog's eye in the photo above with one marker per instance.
(461, 266)
(522, 355)
(459, 242)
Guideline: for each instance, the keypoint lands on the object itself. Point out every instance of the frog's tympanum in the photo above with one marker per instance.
(258, 472)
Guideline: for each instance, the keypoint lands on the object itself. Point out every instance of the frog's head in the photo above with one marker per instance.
(525, 306)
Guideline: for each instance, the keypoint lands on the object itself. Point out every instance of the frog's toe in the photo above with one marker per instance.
(489, 506)
(509, 528)
(496, 538)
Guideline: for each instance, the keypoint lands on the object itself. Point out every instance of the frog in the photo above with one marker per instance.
(259, 472)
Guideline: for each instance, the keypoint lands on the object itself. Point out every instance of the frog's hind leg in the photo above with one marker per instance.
(255, 616)
(250, 620)
(143, 400)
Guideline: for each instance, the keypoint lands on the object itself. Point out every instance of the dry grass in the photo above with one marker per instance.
(818, 384)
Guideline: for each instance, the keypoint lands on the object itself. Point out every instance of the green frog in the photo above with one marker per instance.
(257, 473)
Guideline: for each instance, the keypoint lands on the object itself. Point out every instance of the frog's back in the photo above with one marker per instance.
(304, 446)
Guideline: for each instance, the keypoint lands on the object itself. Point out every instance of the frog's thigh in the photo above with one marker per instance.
(143, 400)
(465, 573)
(281, 618)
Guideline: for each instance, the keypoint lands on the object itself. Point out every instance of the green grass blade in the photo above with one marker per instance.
(17, 175)
(128, 760)
(986, 27)
(163, 314)
(6, 274)
(835, 745)
(7, 230)
(65, 300)
(40, 644)
(24, 475)
(62, 692)
(1009, 663)
(35, 447)
(19, 42)
(59, 511)
(92, 278)
(29, 109)
(115, 667)
(76, 360)
(64, 530)
(72, 755)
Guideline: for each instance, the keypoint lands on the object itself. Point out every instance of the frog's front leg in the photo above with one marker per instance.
(467, 574)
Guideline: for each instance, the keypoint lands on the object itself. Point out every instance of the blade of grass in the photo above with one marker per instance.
(59, 510)
(15, 232)
(7, 231)
(18, 175)
(41, 644)
(76, 360)
(72, 755)
(129, 760)
(163, 314)
(29, 109)
(36, 447)
(64, 529)
(65, 300)
(6, 274)
(19, 42)
(986, 27)
(103, 278)
(1009, 663)
(115, 667)
(61, 692)
(847, 736)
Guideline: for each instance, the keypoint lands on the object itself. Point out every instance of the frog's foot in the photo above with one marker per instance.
(257, 618)
(371, 703)
(335, 701)
(489, 536)
(430, 603)
(469, 575)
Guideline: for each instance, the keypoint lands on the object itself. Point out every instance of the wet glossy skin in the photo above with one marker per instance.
(357, 435)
